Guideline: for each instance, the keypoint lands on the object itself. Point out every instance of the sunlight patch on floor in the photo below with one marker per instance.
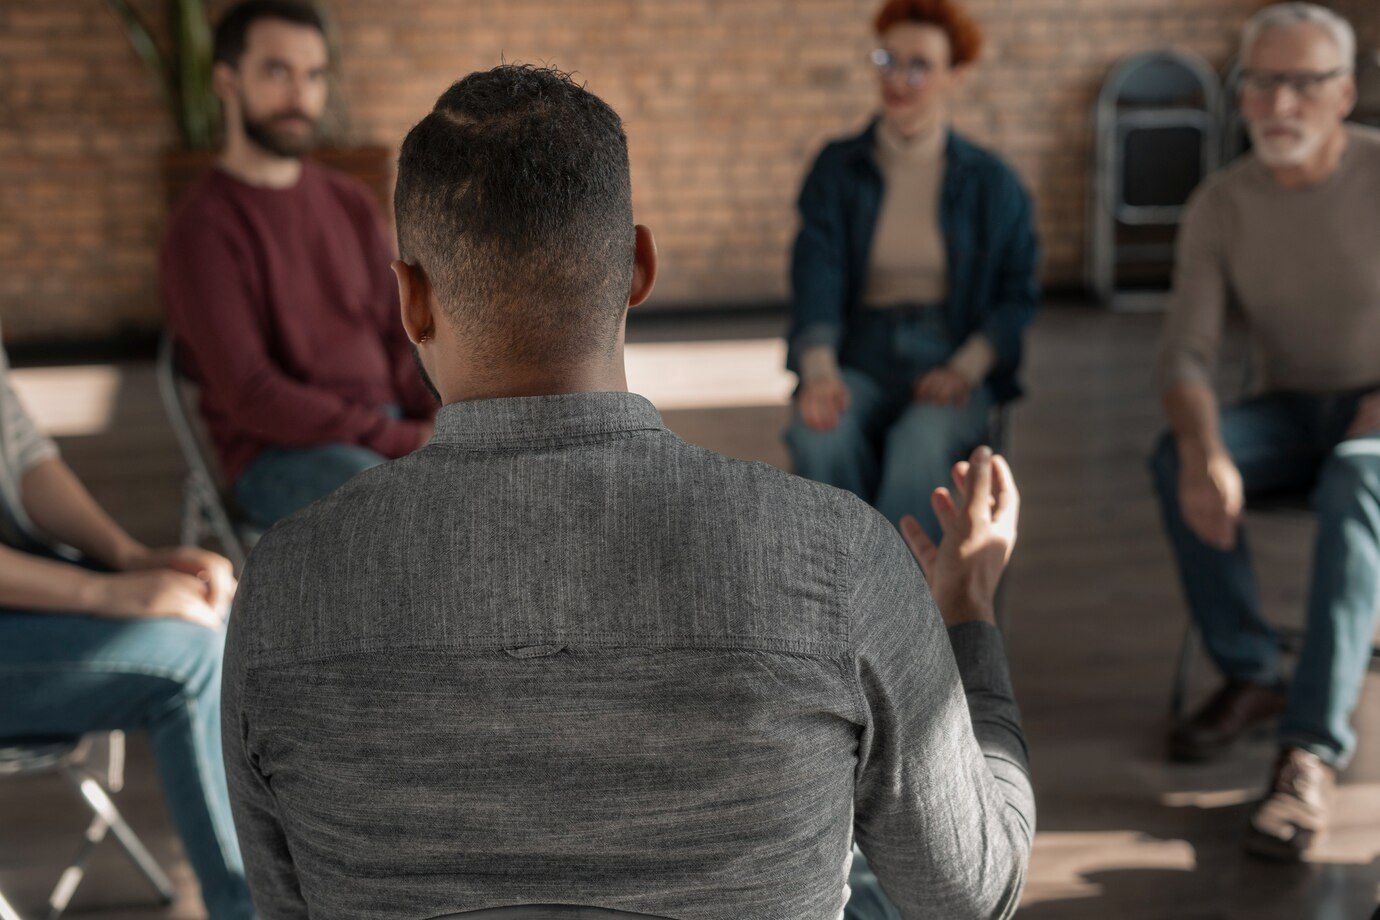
(1063, 861)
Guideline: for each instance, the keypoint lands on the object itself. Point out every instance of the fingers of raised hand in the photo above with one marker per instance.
(919, 542)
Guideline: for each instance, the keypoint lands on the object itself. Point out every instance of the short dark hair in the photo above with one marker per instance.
(514, 197)
(233, 29)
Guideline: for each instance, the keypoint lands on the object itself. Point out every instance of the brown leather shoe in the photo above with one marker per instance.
(1232, 712)
(1293, 816)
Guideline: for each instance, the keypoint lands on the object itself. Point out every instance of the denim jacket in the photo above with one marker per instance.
(986, 219)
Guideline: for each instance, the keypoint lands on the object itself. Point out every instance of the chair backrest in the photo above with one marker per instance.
(179, 394)
(547, 912)
(208, 498)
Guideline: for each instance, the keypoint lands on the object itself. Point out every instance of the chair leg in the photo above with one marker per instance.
(76, 870)
(6, 911)
(193, 519)
(100, 803)
(1188, 651)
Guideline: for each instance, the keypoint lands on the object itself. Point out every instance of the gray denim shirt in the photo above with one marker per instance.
(559, 655)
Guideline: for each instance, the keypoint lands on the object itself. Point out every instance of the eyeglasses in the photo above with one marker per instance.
(916, 70)
(1306, 84)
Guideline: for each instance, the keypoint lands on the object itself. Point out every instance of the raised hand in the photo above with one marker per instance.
(979, 527)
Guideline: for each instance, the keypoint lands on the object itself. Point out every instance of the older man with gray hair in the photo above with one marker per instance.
(1290, 233)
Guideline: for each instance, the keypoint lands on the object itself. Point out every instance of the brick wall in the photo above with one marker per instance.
(725, 101)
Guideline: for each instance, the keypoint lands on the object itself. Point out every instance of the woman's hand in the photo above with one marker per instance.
(214, 571)
(152, 594)
(822, 402)
(944, 387)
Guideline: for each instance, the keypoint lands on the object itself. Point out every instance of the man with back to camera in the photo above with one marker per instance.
(1290, 232)
(275, 276)
(559, 656)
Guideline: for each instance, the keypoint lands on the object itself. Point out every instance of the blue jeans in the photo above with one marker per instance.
(1282, 443)
(64, 674)
(888, 449)
(283, 480)
(867, 902)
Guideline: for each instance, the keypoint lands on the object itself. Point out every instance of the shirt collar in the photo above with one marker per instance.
(482, 423)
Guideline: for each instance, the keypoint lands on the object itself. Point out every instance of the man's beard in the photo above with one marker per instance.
(1289, 151)
(280, 143)
(426, 378)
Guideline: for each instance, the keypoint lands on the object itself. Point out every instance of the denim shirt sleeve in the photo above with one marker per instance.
(268, 864)
(943, 805)
(1017, 289)
(818, 259)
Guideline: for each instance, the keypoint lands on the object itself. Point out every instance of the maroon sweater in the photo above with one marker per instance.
(286, 314)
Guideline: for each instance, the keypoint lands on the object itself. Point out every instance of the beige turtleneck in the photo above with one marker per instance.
(908, 263)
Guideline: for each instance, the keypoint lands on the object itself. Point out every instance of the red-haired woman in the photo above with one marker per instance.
(913, 279)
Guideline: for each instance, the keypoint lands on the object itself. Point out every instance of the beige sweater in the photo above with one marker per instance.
(908, 263)
(1302, 264)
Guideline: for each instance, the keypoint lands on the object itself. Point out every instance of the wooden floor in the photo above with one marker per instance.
(1095, 621)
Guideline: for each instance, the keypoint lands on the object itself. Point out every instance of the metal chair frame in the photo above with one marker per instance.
(70, 758)
(207, 508)
(1112, 123)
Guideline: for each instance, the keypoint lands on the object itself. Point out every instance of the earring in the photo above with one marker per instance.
(424, 337)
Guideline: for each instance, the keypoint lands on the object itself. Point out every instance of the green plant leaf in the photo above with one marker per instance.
(197, 101)
(137, 31)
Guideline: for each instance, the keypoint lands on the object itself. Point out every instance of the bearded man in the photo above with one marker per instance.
(275, 277)
(1290, 234)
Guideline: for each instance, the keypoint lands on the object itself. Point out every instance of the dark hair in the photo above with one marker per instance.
(233, 28)
(514, 197)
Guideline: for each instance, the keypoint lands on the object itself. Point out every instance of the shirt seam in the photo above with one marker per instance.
(490, 643)
(520, 442)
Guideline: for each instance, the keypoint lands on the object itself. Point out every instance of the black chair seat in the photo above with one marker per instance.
(36, 753)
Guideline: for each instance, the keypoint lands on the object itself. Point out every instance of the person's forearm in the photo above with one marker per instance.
(62, 508)
(981, 658)
(29, 582)
(1193, 418)
(818, 362)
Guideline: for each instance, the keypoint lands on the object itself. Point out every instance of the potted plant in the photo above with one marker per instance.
(182, 70)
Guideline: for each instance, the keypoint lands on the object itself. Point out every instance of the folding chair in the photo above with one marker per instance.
(1156, 136)
(207, 507)
(70, 756)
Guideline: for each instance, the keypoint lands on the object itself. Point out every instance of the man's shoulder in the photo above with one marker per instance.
(353, 192)
(335, 515)
(205, 207)
(774, 496)
(1367, 141)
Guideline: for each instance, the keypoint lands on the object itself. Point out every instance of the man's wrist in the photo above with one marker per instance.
(1199, 451)
(956, 609)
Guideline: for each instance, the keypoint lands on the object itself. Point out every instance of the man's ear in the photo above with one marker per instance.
(1349, 102)
(223, 82)
(414, 296)
(644, 265)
